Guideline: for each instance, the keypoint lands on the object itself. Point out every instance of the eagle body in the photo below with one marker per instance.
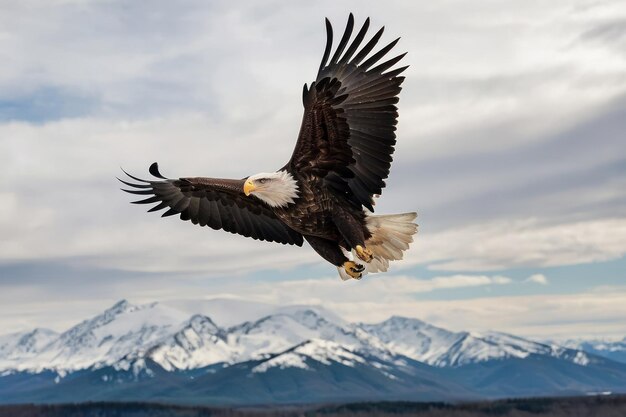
(312, 214)
(325, 193)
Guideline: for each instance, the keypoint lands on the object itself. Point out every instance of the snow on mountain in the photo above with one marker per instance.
(105, 339)
(608, 348)
(515, 346)
(322, 351)
(282, 361)
(474, 347)
(439, 347)
(202, 343)
(127, 335)
(269, 335)
(198, 344)
(18, 346)
(226, 312)
(312, 313)
(414, 338)
(293, 326)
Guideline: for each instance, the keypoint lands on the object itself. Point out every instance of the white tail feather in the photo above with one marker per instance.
(391, 236)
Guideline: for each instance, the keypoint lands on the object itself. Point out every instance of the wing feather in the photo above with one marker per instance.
(344, 40)
(357, 40)
(348, 129)
(217, 203)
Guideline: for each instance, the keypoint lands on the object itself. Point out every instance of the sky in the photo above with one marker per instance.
(511, 148)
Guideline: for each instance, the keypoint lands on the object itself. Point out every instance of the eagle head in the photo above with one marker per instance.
(277, 189)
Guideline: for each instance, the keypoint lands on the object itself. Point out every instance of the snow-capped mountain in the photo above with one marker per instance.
(280, 331)
(322, 351)
(611, 349)
(105, 339)
(440, 347)
(160, 344)
(175, 341)
(414, 338)
(198, 343)
(18, 346)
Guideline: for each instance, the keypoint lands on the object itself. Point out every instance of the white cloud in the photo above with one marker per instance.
(386, 287)
(516, 243)
(347, 297)
(538, 279)
(555, 316)
(375, 298)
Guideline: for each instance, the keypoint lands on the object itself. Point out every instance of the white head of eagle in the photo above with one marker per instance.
(277, 189)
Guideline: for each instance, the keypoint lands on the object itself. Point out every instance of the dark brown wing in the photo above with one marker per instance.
(217, 203)
(348, 129)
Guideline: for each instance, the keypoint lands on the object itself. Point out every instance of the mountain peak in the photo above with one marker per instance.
(403, 319)
(310, 312)
(121, 306)
(198, 321)
(39, 332)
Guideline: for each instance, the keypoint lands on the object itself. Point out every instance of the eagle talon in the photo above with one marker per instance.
(364, 254)
(353, 269)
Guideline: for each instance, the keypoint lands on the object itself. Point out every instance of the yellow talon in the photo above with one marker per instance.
(364, 254)
(353, 269)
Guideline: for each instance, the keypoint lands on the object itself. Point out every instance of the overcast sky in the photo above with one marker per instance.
(511, 147)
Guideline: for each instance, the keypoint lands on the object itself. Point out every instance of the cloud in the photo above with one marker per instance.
(555, 316)
(59, 181)
(387, 287)
(538, 279)
(27, 304)
(530, 180)
(610, 32)
(375, 298)
(520, 243)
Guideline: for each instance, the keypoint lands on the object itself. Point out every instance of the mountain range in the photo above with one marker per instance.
(295, 354)
(611, 349)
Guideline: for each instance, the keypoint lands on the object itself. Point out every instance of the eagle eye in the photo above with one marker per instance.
(263, 180)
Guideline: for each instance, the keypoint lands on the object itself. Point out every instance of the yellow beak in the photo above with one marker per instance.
(248, 187)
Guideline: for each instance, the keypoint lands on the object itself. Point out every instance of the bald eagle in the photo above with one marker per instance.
(325, 193)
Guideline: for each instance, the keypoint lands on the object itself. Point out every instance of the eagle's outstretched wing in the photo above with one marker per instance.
(348, 129)
(217, 203)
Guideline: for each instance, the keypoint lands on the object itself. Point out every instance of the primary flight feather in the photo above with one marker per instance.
(342, 157)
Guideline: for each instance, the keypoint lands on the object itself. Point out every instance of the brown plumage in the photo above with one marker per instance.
(341, 158)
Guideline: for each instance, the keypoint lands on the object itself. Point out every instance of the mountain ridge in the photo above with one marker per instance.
(137, 350)
(176, 341)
